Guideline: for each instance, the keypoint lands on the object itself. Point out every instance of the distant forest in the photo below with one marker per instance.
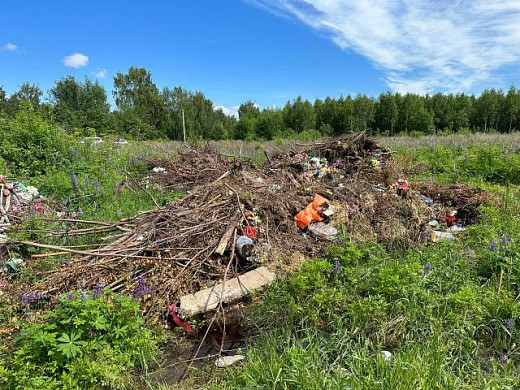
(143, 111)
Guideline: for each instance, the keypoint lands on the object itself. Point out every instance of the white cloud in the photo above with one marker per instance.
(76, 60)
(421, 45)
(10, 47)
(100, 74)
(230, 111)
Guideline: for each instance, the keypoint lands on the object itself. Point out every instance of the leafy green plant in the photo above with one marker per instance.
(84, 342)
(31, 145)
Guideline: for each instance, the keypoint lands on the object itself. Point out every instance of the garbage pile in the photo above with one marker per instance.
(236, 216)
(18, 201)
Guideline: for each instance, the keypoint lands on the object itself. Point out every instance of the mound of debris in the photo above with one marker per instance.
(236, 217)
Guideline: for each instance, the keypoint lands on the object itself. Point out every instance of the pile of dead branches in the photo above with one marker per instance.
(162, 254)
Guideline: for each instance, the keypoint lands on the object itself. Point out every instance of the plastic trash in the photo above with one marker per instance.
(323, 231)
(159, 170)
(387, 355)
(311, 213)
(14, 263)
(443, 236)
(434, 223)
(428, 201)
(226, 361)
(456, 228)
(329, 211)
(250, 232)
(244, 246)
(450, 218)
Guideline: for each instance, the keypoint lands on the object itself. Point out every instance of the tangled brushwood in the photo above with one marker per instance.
(191, 243)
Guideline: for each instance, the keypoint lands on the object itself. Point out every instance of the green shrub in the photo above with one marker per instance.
(30, 145)
(84, 343)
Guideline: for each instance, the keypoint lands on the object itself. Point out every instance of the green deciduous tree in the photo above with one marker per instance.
(136, 92)
(80, 106)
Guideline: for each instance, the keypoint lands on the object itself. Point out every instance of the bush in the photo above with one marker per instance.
(84, 343)
(30, 145)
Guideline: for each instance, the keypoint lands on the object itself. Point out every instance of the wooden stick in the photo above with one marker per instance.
(43, 255)
(224, 240)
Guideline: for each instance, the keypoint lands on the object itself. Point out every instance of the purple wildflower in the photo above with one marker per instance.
(508, 323)
(95, 185)
(503, 359)
(31, 297)
(335, 270)
(427, 269)
(469, 255)
(134, 160)
(351, 212)
(338, 164)
(70, 297)
(424, 236)
(504, 241)
(97, 291)
(74, 180)
(141, 288)
(493, 245)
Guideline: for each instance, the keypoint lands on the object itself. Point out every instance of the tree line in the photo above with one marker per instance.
(143, 111)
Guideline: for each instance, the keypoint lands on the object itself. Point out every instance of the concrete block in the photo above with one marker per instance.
(233, 290)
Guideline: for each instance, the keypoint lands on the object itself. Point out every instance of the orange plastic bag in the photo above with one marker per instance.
(311, 213)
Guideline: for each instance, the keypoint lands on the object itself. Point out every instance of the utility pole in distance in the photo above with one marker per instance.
(183, 126)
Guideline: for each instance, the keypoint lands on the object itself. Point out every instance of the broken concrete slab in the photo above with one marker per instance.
(230, 291)
(226, 361)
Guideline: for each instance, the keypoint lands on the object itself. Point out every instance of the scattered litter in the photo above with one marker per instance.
(244, 246)
(427, 200)
(226, 361)
(159, 170)
(329, 211)
(433, 223)
(443, 236)
(13, 264)
(250, 232)
(311, 213)
(456, 228)
(322, 231)
(386, 355)
(449, 218)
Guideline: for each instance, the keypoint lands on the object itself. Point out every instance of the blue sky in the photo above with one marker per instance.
(268, 51)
